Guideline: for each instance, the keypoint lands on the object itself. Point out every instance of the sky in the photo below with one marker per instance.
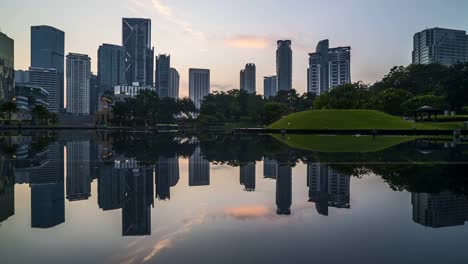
(224, 35)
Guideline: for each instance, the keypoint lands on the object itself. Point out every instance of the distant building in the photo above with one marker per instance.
(248, 78)
(328, 68)
(163, 68)
(7, 68)
(78, 170)
(199, 169)
(440, 45)
(439, 210)
(48, 52)
(139, 55)
(93, 94)
(174, 80)
(111, 67)
(199, 85)
(49, 80)
(78, 84)
(247, 176)
(269, 87)
(284, 65)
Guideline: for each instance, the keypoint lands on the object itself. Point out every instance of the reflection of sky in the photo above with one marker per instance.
(203, 224)
(224, 35)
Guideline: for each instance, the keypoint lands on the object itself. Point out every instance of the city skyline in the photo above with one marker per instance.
(200, 43)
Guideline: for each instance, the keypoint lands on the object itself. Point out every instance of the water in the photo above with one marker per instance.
(86, 197)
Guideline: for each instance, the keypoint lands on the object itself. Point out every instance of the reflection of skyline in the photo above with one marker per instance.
(78, 170)
(7, 190)
(111, 187)
(327, 187)
(439, 210)
(199, 169)
(270, 168)
(247, 176)
(167, 176)
(284, 190)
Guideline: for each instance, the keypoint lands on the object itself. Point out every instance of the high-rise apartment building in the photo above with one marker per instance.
(440, 45)
(78, 84)
(284, 65)
(248, 78)
(7, 68)
(269, 87)
(139, 55)
(111, 67)
(174, 80)
(328, 68)
(163, 70)
(199, 85)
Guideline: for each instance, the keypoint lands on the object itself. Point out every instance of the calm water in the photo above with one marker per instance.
(86, 197)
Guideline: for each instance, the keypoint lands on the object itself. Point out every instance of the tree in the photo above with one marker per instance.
(390, 101)
(9, 108)
(186, 107)
(348, 96)
(273, 111)
(40, 114)
(416, 102)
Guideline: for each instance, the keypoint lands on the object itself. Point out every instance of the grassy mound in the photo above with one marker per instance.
(342, 144)
(344, 119)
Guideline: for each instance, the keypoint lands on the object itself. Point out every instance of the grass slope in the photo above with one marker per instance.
(342, 144)
(344, 119)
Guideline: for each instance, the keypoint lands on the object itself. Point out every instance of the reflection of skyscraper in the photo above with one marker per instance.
(78, 170)
(199, 169)
(439, 210)
(284, 190)
(7, 68)
(270, 168)
(247, 176)
(136, 212)
(7, 190)
(327, 188)
(111, 187)
(167, 175)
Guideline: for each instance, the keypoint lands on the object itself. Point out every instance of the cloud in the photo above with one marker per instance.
(249, 212)
(221, 87)
(249, 42)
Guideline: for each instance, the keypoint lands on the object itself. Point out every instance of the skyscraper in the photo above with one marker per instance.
(269, 87)
(7, 68)
(49, 80)
(163, 68)
(111, 67)
(248, 78)
(93, 94)
(199, 85)
(284, 65)
(48, 52)
(199, 169)
(328, 68)
(78, 84)
(139, 55)
(440, 45)
(174, 79)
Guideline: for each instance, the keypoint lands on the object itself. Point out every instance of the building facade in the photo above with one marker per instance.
(27, 97)
(48, 52)
(49, 80)
(139, 55)
(199, 169)
(78, 84)
(7, 68)
(440, 45)
(111, 67)
(328, 68)
(269, 87)
(199, 85)
(174, 83)
(248, 78)
(130, 91)
(284, 65)
(163, 71)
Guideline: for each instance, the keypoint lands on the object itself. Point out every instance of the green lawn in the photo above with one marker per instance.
(346, 119)
(342, 144)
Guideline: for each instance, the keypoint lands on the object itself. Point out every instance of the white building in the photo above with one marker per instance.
(199, 85)
(78, 84)
(174, 79)
(126, 91)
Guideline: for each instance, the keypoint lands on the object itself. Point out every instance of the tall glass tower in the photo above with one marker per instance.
(284, 65)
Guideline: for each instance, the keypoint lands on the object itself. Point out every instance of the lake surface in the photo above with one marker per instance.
(95, 197)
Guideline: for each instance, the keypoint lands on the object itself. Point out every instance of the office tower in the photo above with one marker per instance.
(136, 211)
(21, 76)
(78, 170)
(269, 87)
(199, 169)
(163, 68)
(167, 176)
(284, 65)
(328, 68)
(7, 192)
(284, 190)
(78, 84)
(199, 85)
(111, 67)
(93, 94)
(248, 79)
(7, 68)
(111, 187)
(270, 168)
(49, 80)
(48, 52)
(327, 188)
(440, 45)
(139, 55)
(174, 79)
(439, 210)
(247, 176)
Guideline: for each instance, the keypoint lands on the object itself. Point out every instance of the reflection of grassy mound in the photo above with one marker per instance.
(344, 119)
(342, 144)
